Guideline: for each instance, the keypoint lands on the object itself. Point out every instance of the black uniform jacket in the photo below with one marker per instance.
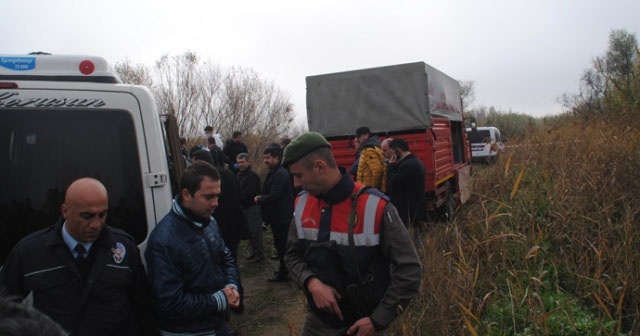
(405, 186)
(113, 299)
(276, 200)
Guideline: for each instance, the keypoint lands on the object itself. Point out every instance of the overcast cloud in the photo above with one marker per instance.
(522, 55)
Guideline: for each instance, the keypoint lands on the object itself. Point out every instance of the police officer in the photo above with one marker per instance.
(85, 275)
(342, 242)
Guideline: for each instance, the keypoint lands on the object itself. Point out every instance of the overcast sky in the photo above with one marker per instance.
(522, 55)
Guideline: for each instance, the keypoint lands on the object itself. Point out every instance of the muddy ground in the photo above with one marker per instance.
(270, 308)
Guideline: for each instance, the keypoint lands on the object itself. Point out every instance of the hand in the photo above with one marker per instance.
(325, 297)
(255, 199)
(393, 159)
(233, 297)
(363, 327)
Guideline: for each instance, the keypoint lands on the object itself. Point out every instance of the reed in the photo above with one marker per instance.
(549, 244)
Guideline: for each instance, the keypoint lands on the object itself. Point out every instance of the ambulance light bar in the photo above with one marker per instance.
(65, 68)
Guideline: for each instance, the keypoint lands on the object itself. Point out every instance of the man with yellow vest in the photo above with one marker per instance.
(348, 249)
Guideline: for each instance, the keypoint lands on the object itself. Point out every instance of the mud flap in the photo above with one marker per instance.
(464, 183)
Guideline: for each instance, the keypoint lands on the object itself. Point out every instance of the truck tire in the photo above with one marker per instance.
(448, 208)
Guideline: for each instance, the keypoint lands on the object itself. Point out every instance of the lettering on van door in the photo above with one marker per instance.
(12, 99)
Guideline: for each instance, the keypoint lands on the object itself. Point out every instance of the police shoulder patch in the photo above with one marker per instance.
(119, 251)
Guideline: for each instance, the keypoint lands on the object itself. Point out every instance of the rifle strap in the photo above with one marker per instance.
(353, 219)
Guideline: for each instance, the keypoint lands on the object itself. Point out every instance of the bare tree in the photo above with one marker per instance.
(201, 93)
(467, 93)
(184, 90)
(137, 74)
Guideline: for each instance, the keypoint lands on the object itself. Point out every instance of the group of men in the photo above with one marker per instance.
(343, 243)
(221, 154)
(389, 166)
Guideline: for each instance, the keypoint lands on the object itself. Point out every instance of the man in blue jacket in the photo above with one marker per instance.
(194, 277)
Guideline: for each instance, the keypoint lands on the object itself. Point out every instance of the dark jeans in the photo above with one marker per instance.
(233, 247)
(252, 216)
(223, 330)
(280, 233)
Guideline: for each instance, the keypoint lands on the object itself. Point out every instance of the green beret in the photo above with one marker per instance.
(302, 146)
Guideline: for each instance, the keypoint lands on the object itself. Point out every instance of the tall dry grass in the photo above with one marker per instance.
(549, 244)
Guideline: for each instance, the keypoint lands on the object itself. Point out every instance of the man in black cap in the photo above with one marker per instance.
(347, 249)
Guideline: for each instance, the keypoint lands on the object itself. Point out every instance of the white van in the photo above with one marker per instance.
(66, 117)
(486, 143)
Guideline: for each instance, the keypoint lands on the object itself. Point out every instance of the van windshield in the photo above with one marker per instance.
(42, 151)
(479, 136)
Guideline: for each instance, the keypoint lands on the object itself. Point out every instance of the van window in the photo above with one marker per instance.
(44, 150)
(479, 136)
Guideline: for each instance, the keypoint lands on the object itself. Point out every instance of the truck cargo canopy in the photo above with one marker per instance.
(386, 99)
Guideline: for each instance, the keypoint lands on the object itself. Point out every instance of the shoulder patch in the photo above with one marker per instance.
(119, 252)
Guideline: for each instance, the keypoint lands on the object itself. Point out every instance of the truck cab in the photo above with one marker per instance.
(67, 117)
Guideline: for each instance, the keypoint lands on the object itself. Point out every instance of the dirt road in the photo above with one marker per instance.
(272, 309)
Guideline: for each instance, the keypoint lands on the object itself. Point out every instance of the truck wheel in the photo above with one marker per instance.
(447, 209)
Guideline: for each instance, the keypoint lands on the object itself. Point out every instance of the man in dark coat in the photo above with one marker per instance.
(249, 182)
(216, 152)
(84, 274)
(276, 205)
(232, 148)
(405, 183)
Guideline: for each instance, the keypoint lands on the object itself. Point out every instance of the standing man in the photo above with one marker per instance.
(249, 183)
(371, 168)
(406, 180)
(348, 249)
(85, 275)
(353, 170)
(228, 213)
(195, 280)
(208, 133)
(217, 154)
(276, 206)
(386, 151)
(232, 148)
(185, 153)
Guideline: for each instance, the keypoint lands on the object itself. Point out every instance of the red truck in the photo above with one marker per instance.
(413, 101)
